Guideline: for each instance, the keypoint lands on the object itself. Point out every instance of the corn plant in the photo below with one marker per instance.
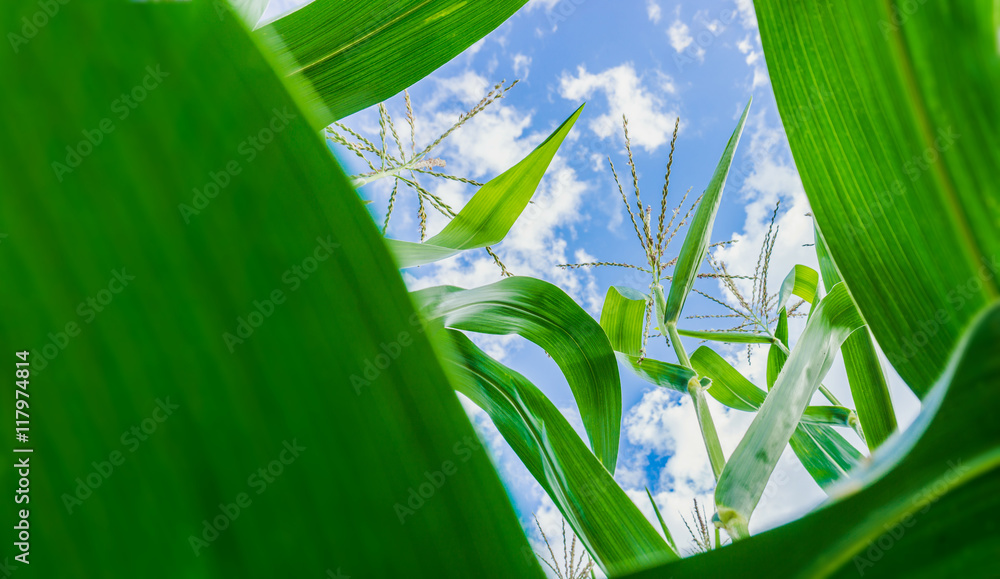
(343, 371)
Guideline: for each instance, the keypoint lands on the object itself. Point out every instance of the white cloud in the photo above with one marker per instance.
(522, 65)
(653, 11)
(748, 18)
(754, 59)
(680, 36)
(651, 117)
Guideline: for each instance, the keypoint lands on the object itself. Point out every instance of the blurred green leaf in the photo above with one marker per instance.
(864, 369)
(922, 508)
(356, 53)
(542, 313)
(700, 231)
(492, 211)
(615, 532)
(750, 466)
(890, 110)
(332, 368)
(249, 10)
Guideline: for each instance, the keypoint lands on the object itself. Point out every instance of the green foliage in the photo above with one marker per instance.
(890, 110)
(609, 524)
(492, 211)
(544, 314)
(356, 53)
(162, 336)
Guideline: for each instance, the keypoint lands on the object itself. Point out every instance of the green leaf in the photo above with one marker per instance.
(864, 369)
(492, 211)
(728, 385)
(622, 317)
(250, 378)
(802, 281)
(824, 453)
(699, 234)
(664, 374)
(356, 53)
(663, 525)
(776, 356)
(749, 468)
(542, 313)
(249, 10)
(727, 337)
(615, 532)
(894, 139)
(921, 509)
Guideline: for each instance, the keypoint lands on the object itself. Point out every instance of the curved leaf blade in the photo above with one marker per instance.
(824, 453)
(748, 470)
(894, 139)
(610, 525)
(488, 216)
(356, 53)
(622, 317)
(235, 406)
(924, 490)
(542, 313)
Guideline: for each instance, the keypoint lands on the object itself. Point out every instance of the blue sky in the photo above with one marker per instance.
(653, 61)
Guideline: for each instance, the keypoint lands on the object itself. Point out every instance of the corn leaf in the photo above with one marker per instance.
(802, 281)
(622, 317)
(890, 110)
(615, 532)
(253, 380)
(542, 313)
(663, 525)
(727, 337)
(249, 10)
(864, 369)
(699, 234)
(824, 453)
(748, 470)
(492, 211)
(356, 53)
(672, 376)
(922, 508)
